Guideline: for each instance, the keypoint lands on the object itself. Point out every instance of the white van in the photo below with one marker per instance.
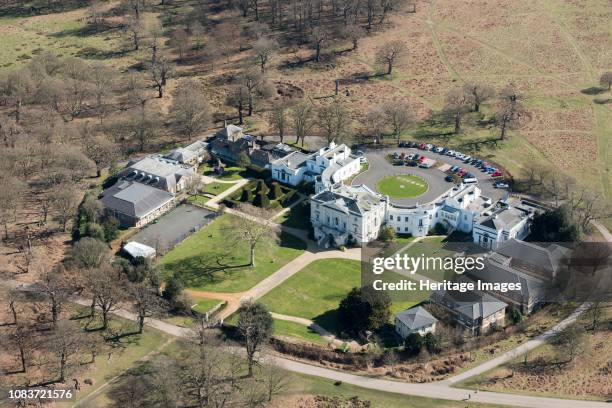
(471, 180)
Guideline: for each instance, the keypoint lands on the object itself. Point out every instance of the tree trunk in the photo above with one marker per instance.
(141, 319)
(389, 67)
(160, 91)
(502, 135)
(23, 359)
(318, 54)
(252, 257)
(457, 123)
(104, 319)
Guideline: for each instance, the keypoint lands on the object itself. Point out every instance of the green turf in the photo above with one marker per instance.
(315, 292)
(198, 200)
(230, 173)
(299, 331)
(197, 259)
(402, 186)
(216, 188)
(206, 305)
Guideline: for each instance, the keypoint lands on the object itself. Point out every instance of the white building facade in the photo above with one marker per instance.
(329, 165)
(501, 225)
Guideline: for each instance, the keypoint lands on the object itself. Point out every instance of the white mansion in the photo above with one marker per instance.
(342, 214)
(329, 165)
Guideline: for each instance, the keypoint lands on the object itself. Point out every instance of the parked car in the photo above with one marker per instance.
(470, 180)
(358, 153)
(454, 168)
(412, 144)
(497, 174)
(467, 159)
(421, 159)
(461, 173)
(396, 155)
(413, 163)
(501, 184)
(363, 160)
(448, 179)
(438, 149)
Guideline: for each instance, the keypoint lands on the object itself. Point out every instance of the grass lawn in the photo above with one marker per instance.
(230, 173)
(198, 200)
(402, 186)
(216, 188)
(197, 259)
(297, 217)
(205, 305)
(315, 292)
(301, 332)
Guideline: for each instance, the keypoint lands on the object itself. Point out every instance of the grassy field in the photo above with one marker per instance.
(315, 292)
(231, 173)
(196, 259)
(299, 331)
(216, 188)
(205, 305)
(403, 186)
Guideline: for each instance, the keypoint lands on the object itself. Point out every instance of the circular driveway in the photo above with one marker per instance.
(381, 167)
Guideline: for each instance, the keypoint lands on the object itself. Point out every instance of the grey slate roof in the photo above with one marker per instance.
(294, 160)
(355, 199)
(471, 304)
(416, 318)
(134, 199)
(504, 218)
(535, 258)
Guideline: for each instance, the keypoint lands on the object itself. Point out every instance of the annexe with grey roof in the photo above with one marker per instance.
(415, 320)
(476, 311)
(155, 171)
(135, 204)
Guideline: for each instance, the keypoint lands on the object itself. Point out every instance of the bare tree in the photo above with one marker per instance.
(145, 302)
(251, 80)
(103, 81)
(180, 40)
(264, 49)
(56, 286)
(398, 116)
(510, 111)
(303, 120)
(190, 110)
(389, 53)
(478, 94)
(606, 79)
(570, 342)
(376, 123)
(354, 33)
(66, 342)
(13, 300)
(160, 72)
(107, 286)
(279, 119)
(17, 87)
(135, 31)
(237, 97)
(318, 36)
(22, 338)
(334, 120)
(9, 203)
(102, 151)
(274, 379)
(252, 228)
(456, 106)
(65, 203)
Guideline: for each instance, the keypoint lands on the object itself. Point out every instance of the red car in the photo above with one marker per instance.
(497, 174)
(422, 159)
(461, 173)
(422, 146)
